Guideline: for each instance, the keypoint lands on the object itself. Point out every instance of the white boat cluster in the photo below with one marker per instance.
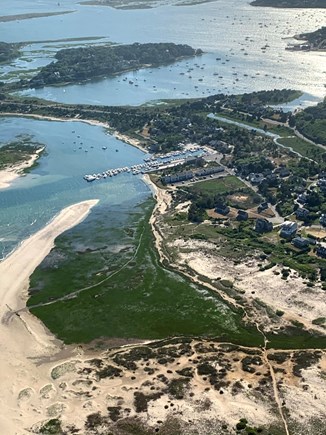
(150, 164)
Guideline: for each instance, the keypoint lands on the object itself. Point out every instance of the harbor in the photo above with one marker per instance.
(153, 163)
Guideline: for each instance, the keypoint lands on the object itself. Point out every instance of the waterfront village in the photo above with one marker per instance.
(303, 226)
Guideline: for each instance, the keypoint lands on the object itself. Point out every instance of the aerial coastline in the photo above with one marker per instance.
(194, 305)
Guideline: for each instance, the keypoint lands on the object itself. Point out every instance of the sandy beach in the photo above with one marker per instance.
(23, 338)
(8, 175)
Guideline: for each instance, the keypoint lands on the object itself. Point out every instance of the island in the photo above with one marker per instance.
(290, 3)
(140, 4)
(86, 63)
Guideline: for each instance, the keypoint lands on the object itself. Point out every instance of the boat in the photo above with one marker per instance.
(89, 178)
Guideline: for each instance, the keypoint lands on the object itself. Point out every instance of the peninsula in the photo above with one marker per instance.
(17, 157)
(86, 63)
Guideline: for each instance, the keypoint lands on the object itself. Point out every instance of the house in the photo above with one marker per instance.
(271, 179)
(300, 242)
(242, 215)
(284, 172)
(263, 206)
(322, 220)
(263, 225)
(302, 199)
(288, 230)
(322, 175)
(222, 209)
(321, 251)
(256, 178)
(302, 214)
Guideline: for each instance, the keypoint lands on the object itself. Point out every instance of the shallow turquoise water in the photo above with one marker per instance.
(57, 181)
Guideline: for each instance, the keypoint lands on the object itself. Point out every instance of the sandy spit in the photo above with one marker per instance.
(23, 338)
(8, 175)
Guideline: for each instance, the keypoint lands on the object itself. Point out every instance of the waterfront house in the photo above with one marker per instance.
(209, 171)
(175, 178)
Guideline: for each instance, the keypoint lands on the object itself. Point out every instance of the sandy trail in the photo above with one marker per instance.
(23, 339)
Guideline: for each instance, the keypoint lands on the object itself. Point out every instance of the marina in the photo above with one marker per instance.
(152, 163)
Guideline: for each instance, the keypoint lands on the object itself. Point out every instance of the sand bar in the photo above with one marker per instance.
(19, 17)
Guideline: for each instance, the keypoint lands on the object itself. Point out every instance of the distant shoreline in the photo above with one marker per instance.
(7, 18)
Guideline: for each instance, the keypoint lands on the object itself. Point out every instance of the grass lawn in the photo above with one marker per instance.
(218, 185)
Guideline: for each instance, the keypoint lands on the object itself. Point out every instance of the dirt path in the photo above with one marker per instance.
(271, 370)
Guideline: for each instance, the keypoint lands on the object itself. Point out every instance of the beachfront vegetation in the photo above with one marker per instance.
(86, 63)
(18, 151)
(236, 237)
